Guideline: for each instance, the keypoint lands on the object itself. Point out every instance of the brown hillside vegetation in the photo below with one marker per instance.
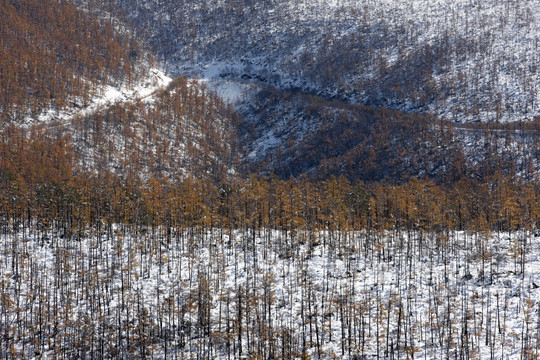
(39, 184)
(182, 130)
(51, 52)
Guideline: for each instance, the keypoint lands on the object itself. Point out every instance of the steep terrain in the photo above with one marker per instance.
(82, 77)
(464, 61)
(55, 56)
(296, 73)
(336, 138)
(314, 81)
(290, 134)
(176, 131)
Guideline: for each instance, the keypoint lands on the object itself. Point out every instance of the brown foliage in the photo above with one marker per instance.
(51, 53)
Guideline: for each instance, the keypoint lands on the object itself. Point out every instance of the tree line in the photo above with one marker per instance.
(40, 181)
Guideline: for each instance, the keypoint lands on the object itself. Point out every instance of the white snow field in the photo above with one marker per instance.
(134, 293)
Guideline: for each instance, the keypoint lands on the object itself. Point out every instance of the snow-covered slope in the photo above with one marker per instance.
(467, 60)
(161, 128)
(290, 133)
(105, 96)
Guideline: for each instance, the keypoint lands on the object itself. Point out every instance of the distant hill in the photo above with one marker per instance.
(177, 131)
(82, 78)
(463, 61)
(359, 88)
(290, 134)
(316, 89)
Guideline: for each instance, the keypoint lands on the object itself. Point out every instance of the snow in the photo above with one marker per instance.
(103, 98)
(436, 287)
(492, 57)
(217, 76)
(229, 91)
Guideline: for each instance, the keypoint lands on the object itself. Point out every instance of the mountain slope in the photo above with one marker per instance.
(470, 60)
(54, 54)
(116, 124)
(81, 78)
(177, 131)
(290, 133)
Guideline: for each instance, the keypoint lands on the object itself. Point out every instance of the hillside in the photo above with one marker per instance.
(463, 61)
(295, 119)
(292, 134)
(269, 180)
(55, 56)
(82, 77)
(343, 88)
(177, 131)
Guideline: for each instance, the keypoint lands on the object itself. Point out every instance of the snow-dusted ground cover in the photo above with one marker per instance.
(220, 294)
(476, 59)
(102, 98)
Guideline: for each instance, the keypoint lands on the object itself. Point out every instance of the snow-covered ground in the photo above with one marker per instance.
(230, 91)
(222, 294)
(102, 98)
(476, 59)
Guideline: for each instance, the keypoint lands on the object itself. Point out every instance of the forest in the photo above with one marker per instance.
(53, 53)
(296, 225)
(101, 266)
(290, 133)
(463, 61)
